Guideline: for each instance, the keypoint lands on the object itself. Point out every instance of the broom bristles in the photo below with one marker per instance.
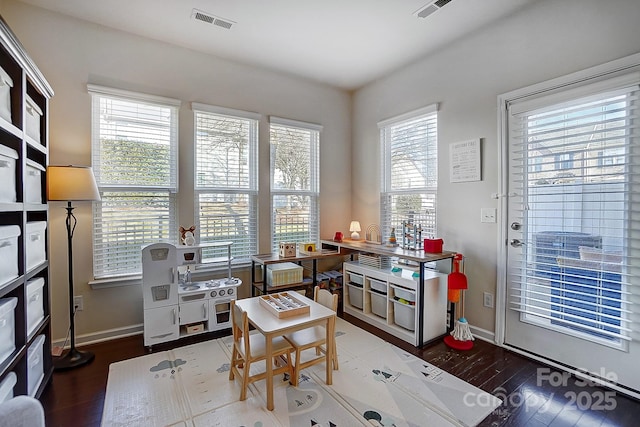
(461, 331)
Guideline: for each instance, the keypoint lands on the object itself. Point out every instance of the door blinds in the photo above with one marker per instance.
(574, 162)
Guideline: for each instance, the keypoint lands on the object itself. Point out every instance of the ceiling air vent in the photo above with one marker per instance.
(430, 8)
(211, 19)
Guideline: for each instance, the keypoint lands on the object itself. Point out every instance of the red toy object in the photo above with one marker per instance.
(433, 246)
(456, 281)
(461, 337)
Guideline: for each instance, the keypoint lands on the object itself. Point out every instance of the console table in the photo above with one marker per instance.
(419, 257)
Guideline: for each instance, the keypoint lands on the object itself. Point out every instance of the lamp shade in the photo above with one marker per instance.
(71, 183)
(355, 226)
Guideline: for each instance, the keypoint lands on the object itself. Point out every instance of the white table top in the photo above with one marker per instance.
(268, 323)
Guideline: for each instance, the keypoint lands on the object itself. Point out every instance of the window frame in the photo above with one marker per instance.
(314, 182)
(251, 192)
(427, 192)
(100, 272)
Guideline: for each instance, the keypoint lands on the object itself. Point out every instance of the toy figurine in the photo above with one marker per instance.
(186, 236)
(392, 237)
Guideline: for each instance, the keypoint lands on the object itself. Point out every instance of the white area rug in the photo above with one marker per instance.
(378, 384)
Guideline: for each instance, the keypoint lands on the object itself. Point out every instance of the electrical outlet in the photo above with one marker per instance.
(78, 303)
(488, 300)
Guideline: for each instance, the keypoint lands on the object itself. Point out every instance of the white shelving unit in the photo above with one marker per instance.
(25, 329)
(174, 305)
(386, 299)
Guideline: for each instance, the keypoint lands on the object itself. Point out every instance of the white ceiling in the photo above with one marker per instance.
(344, 43)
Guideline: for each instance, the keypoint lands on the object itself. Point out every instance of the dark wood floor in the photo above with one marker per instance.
(75, 397)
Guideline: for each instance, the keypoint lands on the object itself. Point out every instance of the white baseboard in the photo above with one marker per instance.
(128, 331)
(102, 336)
(483, 334)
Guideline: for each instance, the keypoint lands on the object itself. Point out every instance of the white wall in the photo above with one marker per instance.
(72, 53)
(549, 39)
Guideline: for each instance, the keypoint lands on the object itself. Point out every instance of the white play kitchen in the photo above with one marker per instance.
(176, 306)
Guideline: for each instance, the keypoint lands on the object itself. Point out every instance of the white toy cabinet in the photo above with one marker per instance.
(387, 299)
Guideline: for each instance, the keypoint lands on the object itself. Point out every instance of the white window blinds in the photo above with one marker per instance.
(409, 171)
(575, 159)
(134, 142)
(295, 182)
(226, 179)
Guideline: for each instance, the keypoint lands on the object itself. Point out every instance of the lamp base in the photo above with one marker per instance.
(72, 359)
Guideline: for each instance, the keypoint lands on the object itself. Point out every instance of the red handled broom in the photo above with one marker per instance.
(460, 338)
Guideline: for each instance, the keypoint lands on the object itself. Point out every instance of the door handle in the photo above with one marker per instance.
(174, 315)
(516, 243)
(516, 226)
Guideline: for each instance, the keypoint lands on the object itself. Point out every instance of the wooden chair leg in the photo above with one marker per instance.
(335, 356)
(245, 381)
(233, 364)
(296, 369)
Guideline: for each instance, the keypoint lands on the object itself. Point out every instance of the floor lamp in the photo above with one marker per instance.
(71, 183)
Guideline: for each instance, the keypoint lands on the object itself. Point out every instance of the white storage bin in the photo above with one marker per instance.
(6, 83)
(33, 119)
(355, 296)
(378, 285)
(35, 243)
(405, 294)
(33, 182)
(379, 304)
(7, 327)
(8, 252)
(8, 157)
(404, 315)
(35, 368)
(356, 278)
(6, 386)
(35, 303)
(285, 273)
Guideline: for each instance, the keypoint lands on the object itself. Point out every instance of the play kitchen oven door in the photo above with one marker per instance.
(220, 312)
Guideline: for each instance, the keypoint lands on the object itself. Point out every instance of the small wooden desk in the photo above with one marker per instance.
(264, 260)
(271, 326)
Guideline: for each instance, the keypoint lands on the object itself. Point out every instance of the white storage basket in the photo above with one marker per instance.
(8, 252)
(33, 119)
(6, 83)
(285, 273)
(7, 327)
(355, 296)
(8, 157)
(379, 304)
(35, 242)
(403, 293)
(35, 304)
(33, 182)
(378, 285)
(404, 315)
(6, 386)
(35, 368)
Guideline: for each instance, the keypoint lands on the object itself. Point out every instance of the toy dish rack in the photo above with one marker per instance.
(284, 305)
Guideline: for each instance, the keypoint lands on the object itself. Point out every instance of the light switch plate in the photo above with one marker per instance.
(488, 215)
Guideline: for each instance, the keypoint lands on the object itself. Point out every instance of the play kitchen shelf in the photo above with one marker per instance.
(175, 305)
(26, 365)
(410, 303)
